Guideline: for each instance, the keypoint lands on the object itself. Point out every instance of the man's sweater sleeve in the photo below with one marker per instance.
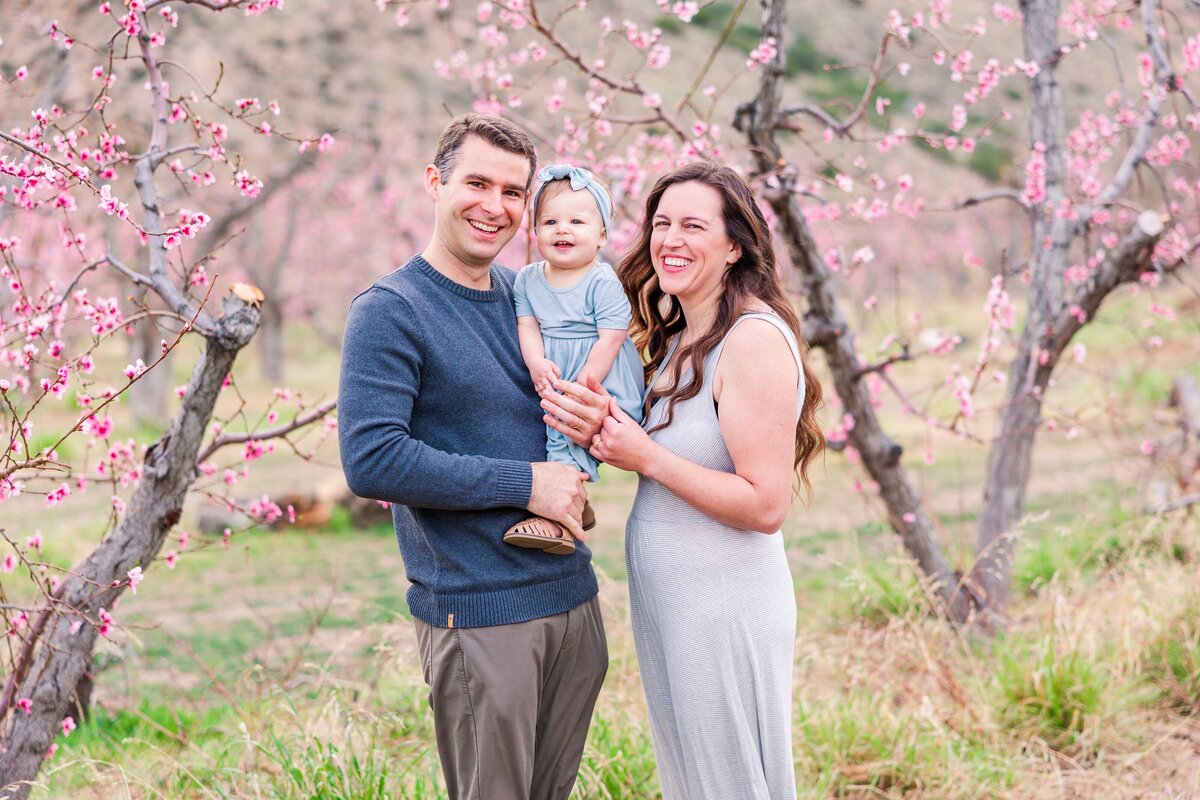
(380, 378)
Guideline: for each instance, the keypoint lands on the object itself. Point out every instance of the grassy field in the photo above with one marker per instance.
(283, 665)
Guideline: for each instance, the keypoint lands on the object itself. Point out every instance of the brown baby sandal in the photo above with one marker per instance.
(538, 533)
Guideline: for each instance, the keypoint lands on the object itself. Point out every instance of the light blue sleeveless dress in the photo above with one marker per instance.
(714, 622)
(570, 319)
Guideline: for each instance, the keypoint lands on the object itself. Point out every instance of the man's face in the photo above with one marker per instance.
(479, 207)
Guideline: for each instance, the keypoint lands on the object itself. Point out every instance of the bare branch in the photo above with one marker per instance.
(993, 194)
(278, 432)
(903, 355)
(75, 281)
(1187, 501)
(174, 151)
(712, 56)
(816, 112)
(843, 128)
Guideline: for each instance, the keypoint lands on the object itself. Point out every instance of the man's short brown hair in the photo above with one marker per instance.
(493, 130)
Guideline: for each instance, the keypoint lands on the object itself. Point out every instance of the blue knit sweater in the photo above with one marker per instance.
(437, 415)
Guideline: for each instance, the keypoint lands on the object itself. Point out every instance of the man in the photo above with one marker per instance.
(438, 416)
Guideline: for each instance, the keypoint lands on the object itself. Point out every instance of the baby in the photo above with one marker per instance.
(573, 322)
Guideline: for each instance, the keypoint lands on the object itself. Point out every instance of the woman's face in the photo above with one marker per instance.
(689, 246)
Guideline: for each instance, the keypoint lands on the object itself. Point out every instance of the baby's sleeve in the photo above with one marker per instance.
(610, 306)
(521, 293)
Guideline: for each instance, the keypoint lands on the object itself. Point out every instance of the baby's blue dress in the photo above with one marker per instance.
(570, 319)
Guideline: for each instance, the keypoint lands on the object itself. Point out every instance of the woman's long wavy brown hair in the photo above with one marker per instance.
(657, 316)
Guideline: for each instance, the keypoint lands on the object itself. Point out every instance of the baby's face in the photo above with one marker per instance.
(570, 230)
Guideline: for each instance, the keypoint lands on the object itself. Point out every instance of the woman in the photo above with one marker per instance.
(730, 420)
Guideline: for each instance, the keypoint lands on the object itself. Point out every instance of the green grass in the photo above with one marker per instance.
(310, 769)
(861, 746)
(1173, 660)
(878, 591)
(107, 734)
(618, 761)
(304, 681)
(1050, 688)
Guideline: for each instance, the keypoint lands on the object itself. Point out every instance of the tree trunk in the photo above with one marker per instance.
(270, 339)
(1010, 461)
(880, 454)
(51, 669)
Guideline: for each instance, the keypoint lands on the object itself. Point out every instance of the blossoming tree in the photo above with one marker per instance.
(609, 98)
(83, 182)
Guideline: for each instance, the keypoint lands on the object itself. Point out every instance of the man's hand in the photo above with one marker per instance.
(558, 495)
(544, 373)
(575, 410)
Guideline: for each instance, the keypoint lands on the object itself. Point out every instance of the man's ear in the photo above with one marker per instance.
(433, 181)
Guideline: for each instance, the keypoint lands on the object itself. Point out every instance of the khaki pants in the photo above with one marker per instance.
(512, 703)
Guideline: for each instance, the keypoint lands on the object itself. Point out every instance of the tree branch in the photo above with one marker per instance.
(1122, 264)
(1165, 82)
(842, 128)
(278, 432)
(215, 231)
(993, 194)
(629, 87)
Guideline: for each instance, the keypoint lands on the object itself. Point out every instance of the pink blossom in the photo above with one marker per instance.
(247, 184)
(58, 495)
(132, 371)
(171, 559)
(658, 56)
(135, 577)
(9, 563)
(764, 53)
(1146, 447)
(1004, 13)
(26, 705)
(68, 725)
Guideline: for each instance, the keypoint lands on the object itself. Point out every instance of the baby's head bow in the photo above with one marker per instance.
(580, 179)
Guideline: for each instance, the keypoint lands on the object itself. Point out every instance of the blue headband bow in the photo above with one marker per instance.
(580, 179)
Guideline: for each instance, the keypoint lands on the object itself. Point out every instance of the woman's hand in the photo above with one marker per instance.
(575, 410)
(621, 441)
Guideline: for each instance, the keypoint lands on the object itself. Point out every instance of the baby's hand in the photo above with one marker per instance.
(544, 372)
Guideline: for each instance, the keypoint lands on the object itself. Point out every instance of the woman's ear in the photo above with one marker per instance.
(735, 254)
